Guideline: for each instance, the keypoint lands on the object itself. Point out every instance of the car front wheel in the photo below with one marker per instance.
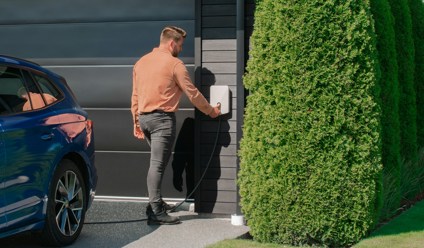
(66, 206)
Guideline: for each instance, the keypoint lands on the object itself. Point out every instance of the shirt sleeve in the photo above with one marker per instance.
(134, 99)
(183, 80)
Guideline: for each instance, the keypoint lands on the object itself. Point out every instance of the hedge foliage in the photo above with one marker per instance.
(417, 15)
(405, 57)
(310, 154)
(389, 85)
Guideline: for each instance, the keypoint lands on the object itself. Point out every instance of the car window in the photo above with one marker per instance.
(19, 92)
(47, 88)
(11, 87)
(39, 99)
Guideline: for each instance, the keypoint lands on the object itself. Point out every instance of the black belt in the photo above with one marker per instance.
(155, 111)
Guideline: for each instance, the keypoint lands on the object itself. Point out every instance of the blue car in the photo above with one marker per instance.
(47, 172)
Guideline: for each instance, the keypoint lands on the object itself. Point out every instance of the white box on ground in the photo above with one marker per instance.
(237, 220)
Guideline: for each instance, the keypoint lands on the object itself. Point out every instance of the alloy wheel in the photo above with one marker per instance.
(69, 203)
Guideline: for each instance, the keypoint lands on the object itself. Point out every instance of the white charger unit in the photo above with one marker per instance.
(221, 94)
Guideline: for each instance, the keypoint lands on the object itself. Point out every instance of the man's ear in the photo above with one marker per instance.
(171, 44)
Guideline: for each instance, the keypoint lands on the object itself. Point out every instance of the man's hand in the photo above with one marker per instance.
(216, 111)
(138, 133)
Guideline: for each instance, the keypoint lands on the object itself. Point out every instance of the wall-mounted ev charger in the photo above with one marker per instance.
(221, 94)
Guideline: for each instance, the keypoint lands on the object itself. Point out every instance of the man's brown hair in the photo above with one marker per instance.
(172, 33)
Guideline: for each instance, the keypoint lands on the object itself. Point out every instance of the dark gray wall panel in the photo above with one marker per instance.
(217, 207)
(224, 138)
(219, 162)
(113, 130)
(219, 45)
(221, 184)
(219, 56)
(220, 196)
(46, 11)
(219, 1)
(218, 79)
(229, 68)
(94, 45)
(220, 21)
(124, 174)
(104, 86)
(219, 33)
(88, 40)
(219, 67)
(219, 10)
(220, 150)
(212, 126)
(223, 173)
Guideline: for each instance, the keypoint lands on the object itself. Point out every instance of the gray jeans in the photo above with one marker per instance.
(160, 130)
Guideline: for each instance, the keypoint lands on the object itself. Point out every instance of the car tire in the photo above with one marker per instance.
(66, 207)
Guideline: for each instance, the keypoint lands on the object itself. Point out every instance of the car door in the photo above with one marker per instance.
(30, 146)
(2, 164)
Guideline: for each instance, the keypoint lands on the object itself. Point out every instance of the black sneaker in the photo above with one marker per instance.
(160, 217)
(149, 210)
(167, 206)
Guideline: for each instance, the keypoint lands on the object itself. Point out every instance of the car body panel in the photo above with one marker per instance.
(32, 145)
(3, 220)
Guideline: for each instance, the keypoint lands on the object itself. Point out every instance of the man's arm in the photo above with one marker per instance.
(194, 95)
(138, 133)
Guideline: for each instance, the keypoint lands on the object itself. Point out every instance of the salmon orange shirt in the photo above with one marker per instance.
(159, 79)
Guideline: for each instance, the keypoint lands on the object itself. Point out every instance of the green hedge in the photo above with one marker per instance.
(417, 14)
(407, 102)
(310, 154)
(389, 84)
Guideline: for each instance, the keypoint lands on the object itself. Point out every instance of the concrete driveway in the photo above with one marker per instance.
(126, 227)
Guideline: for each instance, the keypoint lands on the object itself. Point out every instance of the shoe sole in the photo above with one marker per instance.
(154, 222)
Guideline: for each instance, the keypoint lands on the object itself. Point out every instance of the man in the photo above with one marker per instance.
(159, 79)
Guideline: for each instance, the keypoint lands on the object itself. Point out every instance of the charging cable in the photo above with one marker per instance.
(173, 209)
(206, 169)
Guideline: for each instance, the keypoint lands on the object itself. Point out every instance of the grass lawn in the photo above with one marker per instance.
(405, 231)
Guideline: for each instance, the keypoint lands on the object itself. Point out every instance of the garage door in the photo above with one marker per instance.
(94, 44)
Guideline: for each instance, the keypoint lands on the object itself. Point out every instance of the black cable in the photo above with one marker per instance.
(114, 221)
(179, 204)
(204, 172)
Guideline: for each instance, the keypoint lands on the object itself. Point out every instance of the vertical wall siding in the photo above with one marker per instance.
(217, 33)
(218, 191)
